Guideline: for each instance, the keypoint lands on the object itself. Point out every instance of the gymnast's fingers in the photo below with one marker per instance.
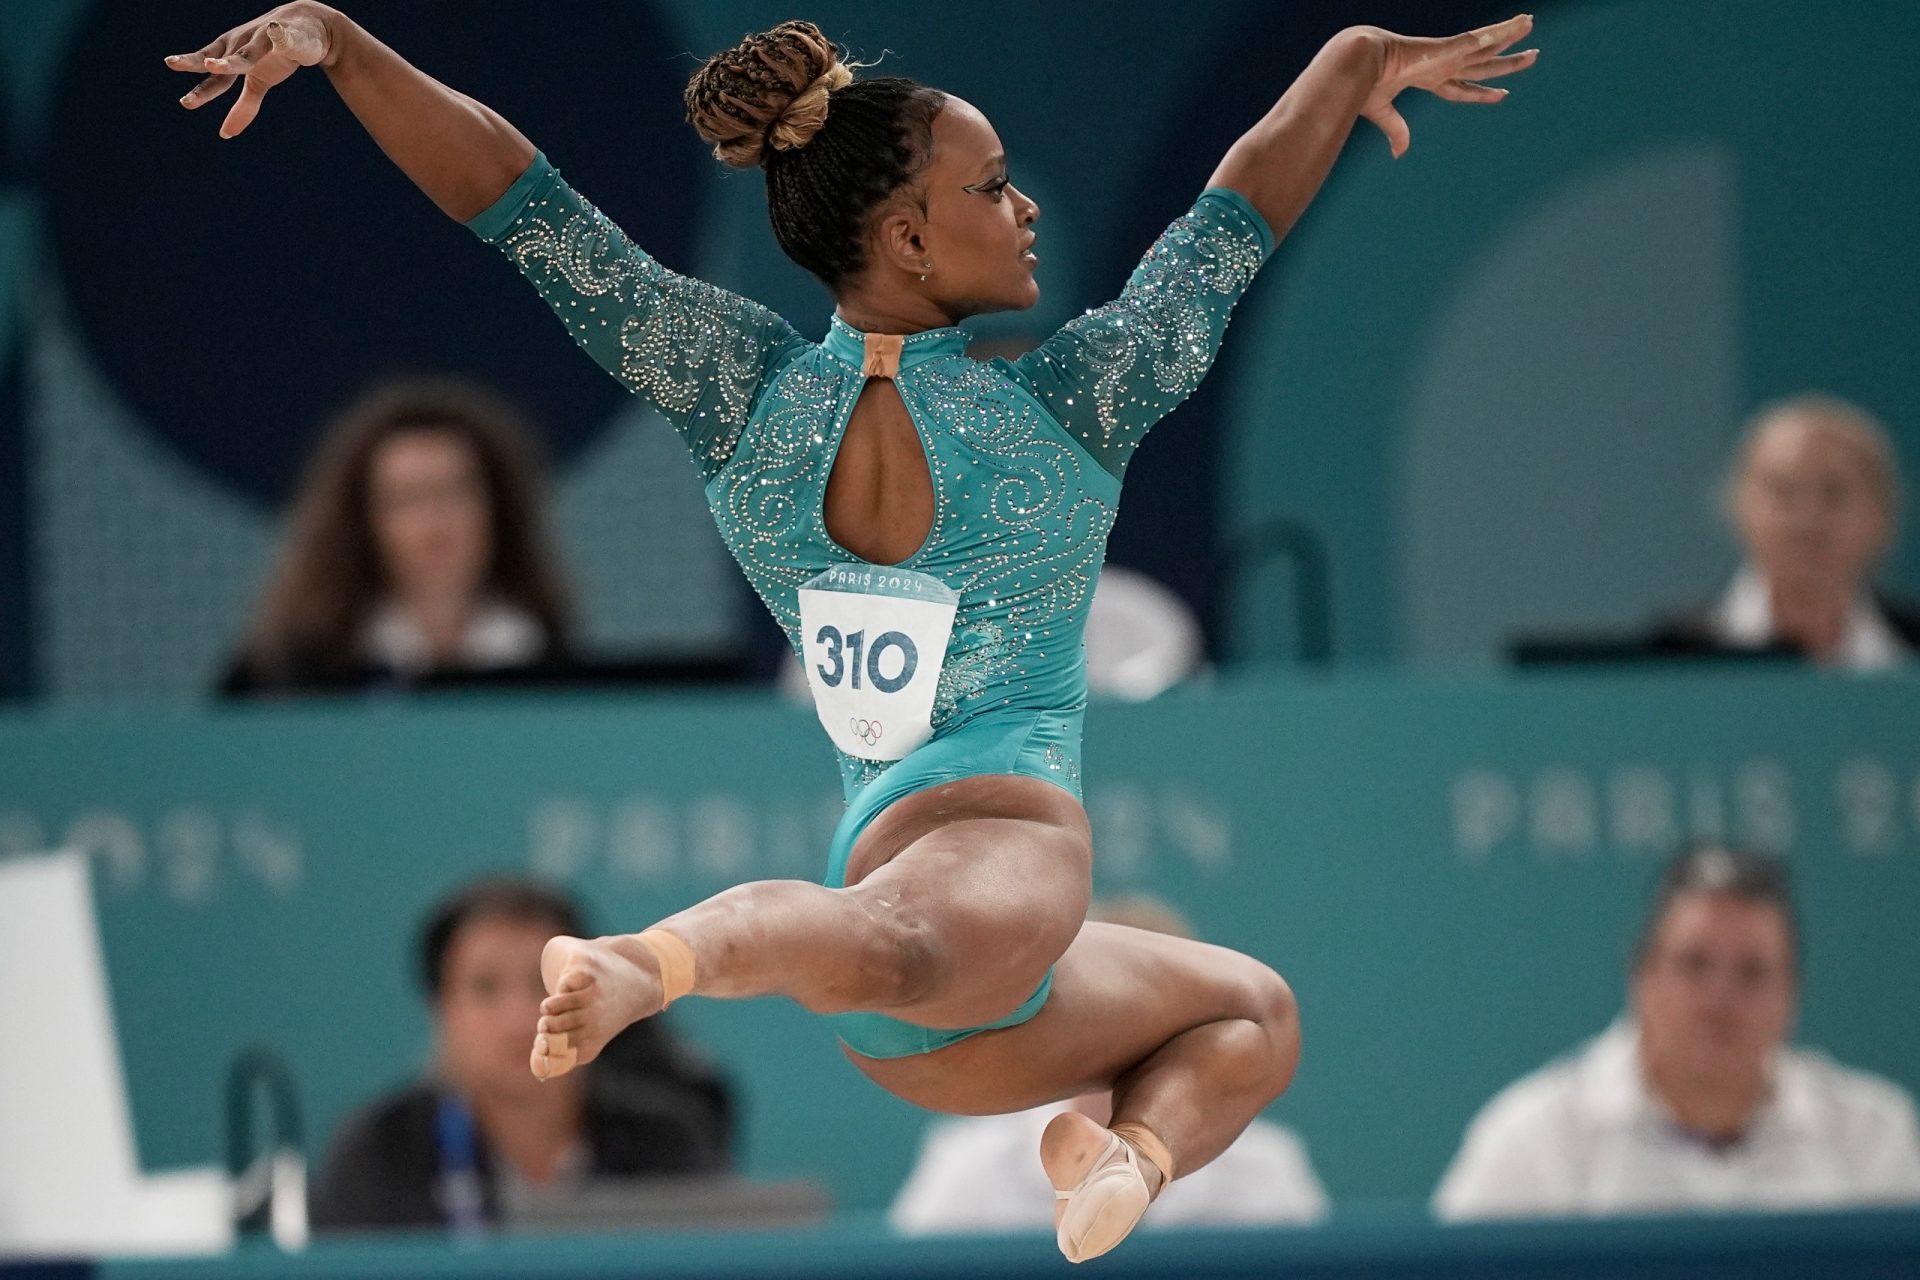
(1394, 125)
(1506, 65)
(1461, 91)
(206, 91)
(197, 60)
(1495, 37)
(243, 59)
(245, 109)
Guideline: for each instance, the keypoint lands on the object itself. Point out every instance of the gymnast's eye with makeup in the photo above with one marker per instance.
(991, 187)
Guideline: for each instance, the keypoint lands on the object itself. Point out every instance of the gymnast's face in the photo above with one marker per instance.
(431, 518)
(490, 995)
(1716, 991)
(978, 227)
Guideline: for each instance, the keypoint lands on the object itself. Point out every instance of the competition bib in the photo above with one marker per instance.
(874, 641)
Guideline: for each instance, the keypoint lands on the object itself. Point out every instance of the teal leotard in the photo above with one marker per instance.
(1026, 458)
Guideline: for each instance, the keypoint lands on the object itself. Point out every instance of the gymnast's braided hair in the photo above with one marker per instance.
(834, 148)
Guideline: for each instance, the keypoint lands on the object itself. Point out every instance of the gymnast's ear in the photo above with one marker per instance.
(899, 240)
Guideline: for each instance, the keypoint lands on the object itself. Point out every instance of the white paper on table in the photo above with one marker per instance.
(70, 1178)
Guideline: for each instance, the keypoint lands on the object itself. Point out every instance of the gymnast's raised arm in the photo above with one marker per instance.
(1279, 164)
(462, 153)
(1108, 376)
(695, 352)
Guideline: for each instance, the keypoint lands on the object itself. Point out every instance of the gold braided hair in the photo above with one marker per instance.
(766, 102)
(770, 90)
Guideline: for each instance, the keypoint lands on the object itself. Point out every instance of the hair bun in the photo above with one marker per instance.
(769, 90)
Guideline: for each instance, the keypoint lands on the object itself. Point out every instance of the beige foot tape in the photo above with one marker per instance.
(1106, 1204)
(1148, 1144)
(560, 1057)
(676, 963)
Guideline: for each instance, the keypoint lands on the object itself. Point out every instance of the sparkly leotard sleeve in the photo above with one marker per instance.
(1112, 373)
(697, 353)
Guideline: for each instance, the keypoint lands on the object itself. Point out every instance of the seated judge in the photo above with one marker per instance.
(1815, 500)
(1697, 1098)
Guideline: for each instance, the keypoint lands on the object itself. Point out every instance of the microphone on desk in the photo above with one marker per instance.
(270, 1180)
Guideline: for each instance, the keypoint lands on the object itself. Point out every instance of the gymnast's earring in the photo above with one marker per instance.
(928, 264)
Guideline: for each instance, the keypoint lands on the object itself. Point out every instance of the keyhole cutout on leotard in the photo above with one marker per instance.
(879, 500)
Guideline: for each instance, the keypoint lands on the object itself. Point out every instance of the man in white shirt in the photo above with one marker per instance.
(1695, 1100)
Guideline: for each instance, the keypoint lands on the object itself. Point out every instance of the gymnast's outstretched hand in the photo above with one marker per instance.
(263, 53)
(1451, 68)
(458, 151)
(1279, 164)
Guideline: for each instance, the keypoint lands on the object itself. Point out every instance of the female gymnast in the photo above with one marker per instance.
(927, 529)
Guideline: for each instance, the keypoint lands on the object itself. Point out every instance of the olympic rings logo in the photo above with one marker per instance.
(867, 731)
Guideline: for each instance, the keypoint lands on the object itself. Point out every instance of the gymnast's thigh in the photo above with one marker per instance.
(1118, 995)
(993, 875)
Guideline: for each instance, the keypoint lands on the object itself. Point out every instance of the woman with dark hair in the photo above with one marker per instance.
(417, 550)
(927, 529)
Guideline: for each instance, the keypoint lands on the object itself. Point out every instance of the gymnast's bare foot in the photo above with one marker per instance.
(597, 988)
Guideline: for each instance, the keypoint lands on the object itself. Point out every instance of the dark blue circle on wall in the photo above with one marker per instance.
(237, 293)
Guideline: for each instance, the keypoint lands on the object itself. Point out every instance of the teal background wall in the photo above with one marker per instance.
(1500, 377)
(1450, 872)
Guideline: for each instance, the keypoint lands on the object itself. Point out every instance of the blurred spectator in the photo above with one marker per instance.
(418, 548)
(983, 1174)
(1141, 638)
(1815, 499)
(481, 1134)
(1695, 1100)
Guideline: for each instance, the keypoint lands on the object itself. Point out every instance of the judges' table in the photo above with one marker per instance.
(1448, 870)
